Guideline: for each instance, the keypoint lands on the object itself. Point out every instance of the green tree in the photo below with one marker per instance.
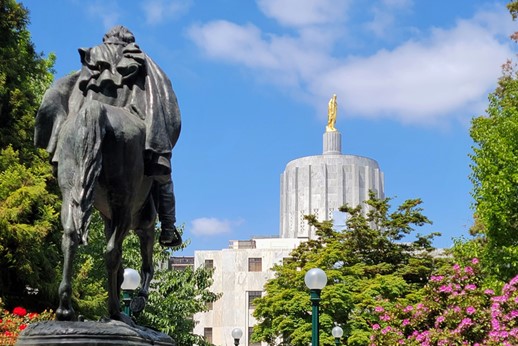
(29, 235)
(371, 259)
(24, 77)
(176, 295)
(495, 172)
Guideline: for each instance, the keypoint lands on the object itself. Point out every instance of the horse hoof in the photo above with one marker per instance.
(125, 319)
(137, 304)
(65, 314)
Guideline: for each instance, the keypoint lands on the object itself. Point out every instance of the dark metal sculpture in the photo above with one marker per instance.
(110, 129)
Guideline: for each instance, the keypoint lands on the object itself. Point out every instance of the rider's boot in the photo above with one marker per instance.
(169, 236)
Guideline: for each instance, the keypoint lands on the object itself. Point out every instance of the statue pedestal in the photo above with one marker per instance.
(332, 143)
(89, 333)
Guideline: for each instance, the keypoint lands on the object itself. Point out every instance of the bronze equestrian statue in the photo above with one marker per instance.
(110, 129)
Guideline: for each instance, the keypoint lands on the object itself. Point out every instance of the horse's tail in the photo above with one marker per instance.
(90, 126)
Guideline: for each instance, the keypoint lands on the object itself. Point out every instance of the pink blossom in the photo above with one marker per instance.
(470, 310)
(465, 322)
(375, 326)
(386, 330)
(471, 287)
(445, 288)
(408, 308)
(475, 261)
(379, 309)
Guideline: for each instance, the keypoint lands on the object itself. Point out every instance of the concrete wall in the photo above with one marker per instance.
(232, 278)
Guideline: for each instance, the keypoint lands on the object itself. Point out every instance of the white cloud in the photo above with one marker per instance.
(213, 226)
(384, 14)
(232, 42)
(397, 3)
(422, 81)
(382, 20)
(298, 13)
(157, 11)
(438, 73)
(108, 11)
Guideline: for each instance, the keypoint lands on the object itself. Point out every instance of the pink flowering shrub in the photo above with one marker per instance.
(455, 310)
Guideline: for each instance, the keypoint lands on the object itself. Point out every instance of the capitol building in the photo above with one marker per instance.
(317, 185)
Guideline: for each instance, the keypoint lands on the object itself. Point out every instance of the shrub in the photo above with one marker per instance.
(12, 323)
(455, 310)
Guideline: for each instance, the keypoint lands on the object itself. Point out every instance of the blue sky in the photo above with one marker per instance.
(253, 79)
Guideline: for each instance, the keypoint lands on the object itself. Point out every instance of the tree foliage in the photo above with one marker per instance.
(370, 259)
(29, 235)
(24, 77)
(176, 295)
(495, 172)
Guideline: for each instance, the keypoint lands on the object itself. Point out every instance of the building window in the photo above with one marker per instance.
(250, 343)
(181, 263)
(209, 263)
(207, 334)
(252, 295)
(255, 264)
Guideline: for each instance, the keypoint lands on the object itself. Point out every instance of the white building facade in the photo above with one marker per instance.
(240, 273)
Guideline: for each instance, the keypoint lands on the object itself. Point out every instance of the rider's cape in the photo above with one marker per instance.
(142, 89)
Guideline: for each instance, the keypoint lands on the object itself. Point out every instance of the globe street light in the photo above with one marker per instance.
(315, 280)
(337, 333)
(237, 333)
(129, 284)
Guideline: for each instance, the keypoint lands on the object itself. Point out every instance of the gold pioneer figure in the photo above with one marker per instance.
(332, 108)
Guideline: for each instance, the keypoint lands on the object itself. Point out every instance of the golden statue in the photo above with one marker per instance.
(332, 108)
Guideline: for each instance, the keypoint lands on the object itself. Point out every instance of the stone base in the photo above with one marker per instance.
(89, 333)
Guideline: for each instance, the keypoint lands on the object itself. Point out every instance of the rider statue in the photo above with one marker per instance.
(119, 75)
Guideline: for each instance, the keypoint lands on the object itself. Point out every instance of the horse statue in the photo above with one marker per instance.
(110, 129)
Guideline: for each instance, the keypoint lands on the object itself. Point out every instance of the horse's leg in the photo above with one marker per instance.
(69, 243)
(115, 233)
(147, 239)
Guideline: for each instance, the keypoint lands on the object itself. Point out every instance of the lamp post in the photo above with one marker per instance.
(315, 280)
(337, 333)
(237, 333)
(129, 284)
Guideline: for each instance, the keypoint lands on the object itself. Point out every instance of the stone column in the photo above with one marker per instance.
(332, 143)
